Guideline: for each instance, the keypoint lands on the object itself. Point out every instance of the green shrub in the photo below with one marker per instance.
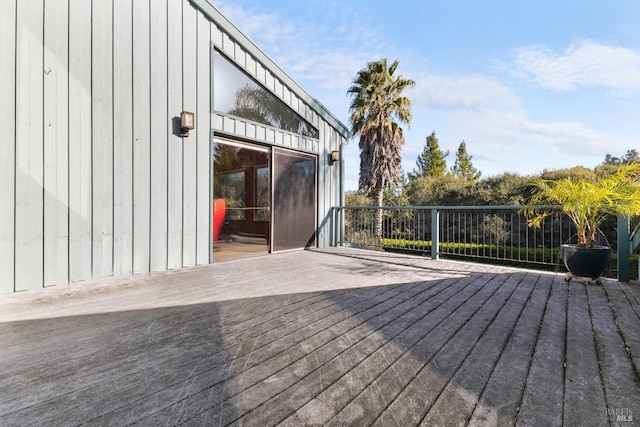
(536, 258)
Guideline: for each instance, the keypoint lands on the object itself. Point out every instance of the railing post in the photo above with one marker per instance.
(341, 213)
(336, 238)
(623, 248)
(334, 227)
(435, 232)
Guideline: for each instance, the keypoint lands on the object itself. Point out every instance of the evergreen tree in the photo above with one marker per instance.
(431, 161)
(631, 156)
(463, 168)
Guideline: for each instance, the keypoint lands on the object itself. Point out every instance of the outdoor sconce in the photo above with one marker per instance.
(334, 156)
(187, 122)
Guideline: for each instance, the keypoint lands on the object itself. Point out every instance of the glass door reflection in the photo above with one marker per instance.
(241, 206)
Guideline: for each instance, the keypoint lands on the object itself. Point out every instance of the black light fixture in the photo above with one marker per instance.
(334, 156)
(187, 122)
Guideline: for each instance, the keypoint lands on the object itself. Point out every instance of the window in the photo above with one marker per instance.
(234, 92)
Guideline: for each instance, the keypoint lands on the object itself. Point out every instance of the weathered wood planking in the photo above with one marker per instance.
(365, 339)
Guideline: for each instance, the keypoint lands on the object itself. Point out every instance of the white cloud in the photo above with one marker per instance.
(462, 92)
(511, 138)
(328, 54)
(583, 64)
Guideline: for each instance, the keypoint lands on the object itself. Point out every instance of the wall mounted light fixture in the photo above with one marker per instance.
(334, 156)
(187, 122)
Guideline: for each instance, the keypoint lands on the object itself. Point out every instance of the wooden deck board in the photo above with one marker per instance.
(462, 395)
(332, 337)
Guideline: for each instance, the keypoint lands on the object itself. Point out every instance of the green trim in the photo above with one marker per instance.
(234, 32)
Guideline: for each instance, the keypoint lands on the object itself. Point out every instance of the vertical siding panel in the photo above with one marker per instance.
(29, 237)
(321, 184)
(7, 146)
(204, 140)
(56, 142)
(122, 138)
(174, 157)
(189, 144)
(102, 137)
(159, 135)
(334, 197)
(141, 136)
(79, 140)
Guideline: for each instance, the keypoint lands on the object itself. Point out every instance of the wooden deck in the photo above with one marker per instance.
(324, 337)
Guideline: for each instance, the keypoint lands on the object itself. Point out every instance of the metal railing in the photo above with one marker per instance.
(634, 238)
(492, 234)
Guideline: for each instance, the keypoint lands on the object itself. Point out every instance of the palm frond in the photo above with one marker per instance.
(588, 204)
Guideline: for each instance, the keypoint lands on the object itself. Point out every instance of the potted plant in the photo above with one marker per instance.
(588, 204)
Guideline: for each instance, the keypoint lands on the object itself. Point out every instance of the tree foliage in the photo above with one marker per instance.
(463, 168)
(505, 189)
(444, 191)
(357, 198)
(431, 162)
(576, 172)
(631, 156)
(376, 111)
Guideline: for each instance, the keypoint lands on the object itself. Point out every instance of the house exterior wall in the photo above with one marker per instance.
(95, 180)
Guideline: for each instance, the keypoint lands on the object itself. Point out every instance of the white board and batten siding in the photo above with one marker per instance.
(95, 179)
(123, 138)
(203, 137)
(159, 134)
(56, 142)
(7, 145)
(29, 145)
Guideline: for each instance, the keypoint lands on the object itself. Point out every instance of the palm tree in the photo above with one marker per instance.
(588, 204)
(377, 109)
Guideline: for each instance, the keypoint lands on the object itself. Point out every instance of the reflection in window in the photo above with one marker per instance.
(262, 193)
(230, 187)
(238, 94)
(241, 178)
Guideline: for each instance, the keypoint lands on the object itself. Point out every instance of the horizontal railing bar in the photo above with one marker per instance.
(449, 208)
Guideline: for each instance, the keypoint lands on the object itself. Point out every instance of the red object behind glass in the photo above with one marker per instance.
(219, 212)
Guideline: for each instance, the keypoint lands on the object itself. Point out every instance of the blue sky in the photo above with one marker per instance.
(528, 86)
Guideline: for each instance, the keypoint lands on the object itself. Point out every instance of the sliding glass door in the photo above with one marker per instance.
(241, 205)
(264, 200)
(294, 200)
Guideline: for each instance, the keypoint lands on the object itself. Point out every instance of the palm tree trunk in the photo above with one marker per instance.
(378, 218)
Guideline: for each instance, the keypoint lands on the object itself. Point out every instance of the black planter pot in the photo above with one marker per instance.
(586, 262)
